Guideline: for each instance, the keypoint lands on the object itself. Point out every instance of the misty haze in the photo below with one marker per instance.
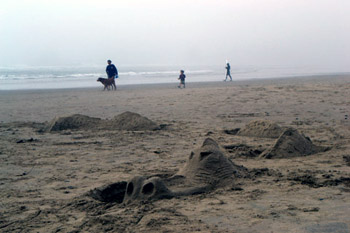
(267, 38)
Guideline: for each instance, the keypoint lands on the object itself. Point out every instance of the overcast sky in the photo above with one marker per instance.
(199, 32)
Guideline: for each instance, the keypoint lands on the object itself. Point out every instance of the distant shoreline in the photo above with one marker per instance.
(331, 76)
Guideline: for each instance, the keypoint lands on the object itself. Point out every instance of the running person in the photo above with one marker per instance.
(228, 71)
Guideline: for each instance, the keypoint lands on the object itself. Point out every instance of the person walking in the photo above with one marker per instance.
(228, 71)
(111, 70)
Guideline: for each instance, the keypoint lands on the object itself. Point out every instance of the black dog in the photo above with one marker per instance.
(107, 82)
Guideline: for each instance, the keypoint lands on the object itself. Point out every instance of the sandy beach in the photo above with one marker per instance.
(46, 176)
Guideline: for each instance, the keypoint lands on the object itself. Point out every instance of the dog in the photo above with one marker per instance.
(107, 82)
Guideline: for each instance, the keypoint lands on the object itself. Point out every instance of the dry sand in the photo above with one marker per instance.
(44, 176)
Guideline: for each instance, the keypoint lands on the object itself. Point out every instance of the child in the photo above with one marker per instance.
(182, 78)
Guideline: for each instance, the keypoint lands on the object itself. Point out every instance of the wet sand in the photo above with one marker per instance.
(44, 176)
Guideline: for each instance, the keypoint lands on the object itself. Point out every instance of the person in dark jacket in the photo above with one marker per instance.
(111, 70)
(228, 71)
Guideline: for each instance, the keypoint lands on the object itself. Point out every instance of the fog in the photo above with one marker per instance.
(293, 33)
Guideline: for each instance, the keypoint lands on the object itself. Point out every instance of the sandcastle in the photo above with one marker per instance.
(291, 144)
(208, 165)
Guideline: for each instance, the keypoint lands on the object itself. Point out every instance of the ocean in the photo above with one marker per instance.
(57, 77)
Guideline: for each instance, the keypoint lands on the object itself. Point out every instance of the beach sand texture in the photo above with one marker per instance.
(45, 175)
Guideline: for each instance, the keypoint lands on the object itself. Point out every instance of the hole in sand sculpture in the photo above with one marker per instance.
(130, 188)
(111, 193)
(191, 155)
(147, 189)
(205, 154)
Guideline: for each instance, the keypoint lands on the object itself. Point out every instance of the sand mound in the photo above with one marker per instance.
(261, 128)
(124, 121)
(132, 121)
(76, 121)
(208, 165)
(291, 144)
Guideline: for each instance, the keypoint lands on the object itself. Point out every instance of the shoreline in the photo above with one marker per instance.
(194, 84)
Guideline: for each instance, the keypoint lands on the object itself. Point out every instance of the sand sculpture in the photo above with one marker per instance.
(208, 165)
(206, 169)
(125, 121)
(291, 144)
(261, 128)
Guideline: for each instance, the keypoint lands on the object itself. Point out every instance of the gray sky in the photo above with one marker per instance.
(198, 32)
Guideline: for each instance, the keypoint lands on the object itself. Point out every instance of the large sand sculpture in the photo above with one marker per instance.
(205, 169)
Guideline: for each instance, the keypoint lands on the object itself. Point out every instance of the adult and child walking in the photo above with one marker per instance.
(112, 74)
